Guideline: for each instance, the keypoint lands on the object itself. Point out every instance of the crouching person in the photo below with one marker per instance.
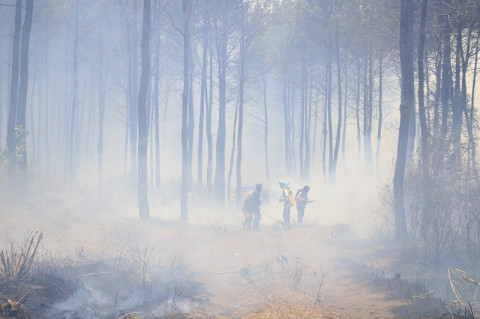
(251, 208)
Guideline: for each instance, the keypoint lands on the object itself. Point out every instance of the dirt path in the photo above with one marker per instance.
(244, 271)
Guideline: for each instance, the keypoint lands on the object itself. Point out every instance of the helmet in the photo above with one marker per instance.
(283, 184)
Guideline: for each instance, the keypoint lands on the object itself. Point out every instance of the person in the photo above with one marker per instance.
(251, 208)
(301, 199)
(287, 200)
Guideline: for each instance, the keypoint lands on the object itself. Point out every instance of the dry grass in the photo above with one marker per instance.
(287, 310)
(17, 262)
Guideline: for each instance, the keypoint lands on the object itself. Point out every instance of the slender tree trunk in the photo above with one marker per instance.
(407, 93)
(133, 123)
(287, 123)
(324, 130)
(34, 108)
(37, 156)
(472, 102)
(185, 110)
(191, 117)
(142, 115)
(329, 114)
(438, 86)
(101, 113)
(357, 112)
(203, 98)
(232, 156)
(238, 195)
(46, 92)
(380, 113)
(457, 107)
(344, 133)
(339, 120)
(308, 126)
(463, 96)
(265, 135)
(315, 123)
(369, 120)
(1, 91)
(157, 114)
(12, 110)
(219, 186)
(303, 117)
(446, 76)
(423, 119)
(208, 122)
(73, 112)
(366, 116)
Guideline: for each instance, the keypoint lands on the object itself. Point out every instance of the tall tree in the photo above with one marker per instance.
(23, 88)
(222, 58)
(186, 5)
(422, 115)
(142, 115)
(73, 110)
(238, 193)
(101, 112)
(12, 110)
(203, 93)
(407, 100)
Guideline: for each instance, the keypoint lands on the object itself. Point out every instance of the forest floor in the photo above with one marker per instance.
(98, 265)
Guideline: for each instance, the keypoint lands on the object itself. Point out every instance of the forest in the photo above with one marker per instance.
(132, 131)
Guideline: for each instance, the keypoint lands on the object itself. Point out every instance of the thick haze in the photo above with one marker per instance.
(291, 49)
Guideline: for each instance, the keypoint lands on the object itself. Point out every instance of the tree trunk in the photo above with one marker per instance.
(232, 156)
(344, 133)
(446, 75)
(238, 194)
(407, 92)
(339, 120)
(1, 92)
(423, 119)
(203, 98)
(142, 115)
(380, 113)
(185, 110)
(287, 126)
(12, 110)
(324, 129)
(46, 92)
(457, 107)
(357, 112)
(34, 108)
(157, 114)
(438, 86)
(208, 122)
(191, 118)
(472, 144)
(101, 113)
(133, 123)
(219, 186)
(73, 112)
(303, 117)
(308, 126)
(329, 114)
(265, 136)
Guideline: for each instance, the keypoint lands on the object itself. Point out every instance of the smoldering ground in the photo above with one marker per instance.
(117, 265)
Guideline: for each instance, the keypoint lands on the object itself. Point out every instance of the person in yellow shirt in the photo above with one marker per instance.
(287, 199)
